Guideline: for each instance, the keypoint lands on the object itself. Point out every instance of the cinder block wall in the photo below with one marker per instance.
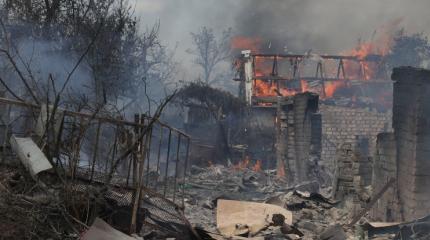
(386, 209)
(411, 123)
(341, 125)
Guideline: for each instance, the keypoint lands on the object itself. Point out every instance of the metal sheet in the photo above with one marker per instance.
(30, 155)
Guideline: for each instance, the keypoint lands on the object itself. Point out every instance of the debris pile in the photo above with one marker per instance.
(31, 211)
(231, 203)
(262, 204)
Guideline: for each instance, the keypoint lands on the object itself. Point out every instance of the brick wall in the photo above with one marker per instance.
(354, 169)
(411, 114)
(299, 136)
(341, 125)
(384, 168)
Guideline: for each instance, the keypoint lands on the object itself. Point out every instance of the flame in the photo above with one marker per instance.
(246, 164)
(380, 44)
(246, 43)
(359, 69)
(331, 87)
(304, 85)
(242, 164)
(280, 170)
(266, 89)
(257, 166)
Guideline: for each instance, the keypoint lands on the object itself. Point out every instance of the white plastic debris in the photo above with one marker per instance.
(30, 155)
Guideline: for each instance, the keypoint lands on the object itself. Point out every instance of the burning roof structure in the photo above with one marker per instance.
(264, 76)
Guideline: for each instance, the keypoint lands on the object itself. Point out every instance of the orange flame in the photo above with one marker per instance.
(257, 166)
(246, 43)
(331, 87)
(266, 89)
(304, 85)
(242, 164)
(280, 170)
(245, 164)
(380, 44)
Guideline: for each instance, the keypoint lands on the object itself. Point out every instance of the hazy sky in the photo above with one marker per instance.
(325, 26)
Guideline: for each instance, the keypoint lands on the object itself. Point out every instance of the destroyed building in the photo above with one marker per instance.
(107, 134)
(311, 132)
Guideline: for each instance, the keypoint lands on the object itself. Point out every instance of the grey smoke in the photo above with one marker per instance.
(325, 26)
(43, 58)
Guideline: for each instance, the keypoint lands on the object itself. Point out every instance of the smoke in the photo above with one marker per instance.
(44, 58)
(39, 60)
(329, 26)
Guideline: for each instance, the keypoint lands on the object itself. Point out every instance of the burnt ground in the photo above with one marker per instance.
(313, 211)
(29, 214)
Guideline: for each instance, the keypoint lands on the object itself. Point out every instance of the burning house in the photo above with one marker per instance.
(314, 104)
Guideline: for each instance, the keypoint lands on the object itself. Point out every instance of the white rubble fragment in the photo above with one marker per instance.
(30, 155)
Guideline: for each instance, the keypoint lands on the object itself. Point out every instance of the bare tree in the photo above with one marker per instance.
(209, 50)
(122, 62)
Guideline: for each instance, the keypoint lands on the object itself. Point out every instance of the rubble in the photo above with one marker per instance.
(333, 232)
(100, 230)
(241, 218)
(311, 212)
(293, 156)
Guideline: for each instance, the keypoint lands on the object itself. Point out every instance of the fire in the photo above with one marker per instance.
(242, 43)
(304, 85)
(257, 166)
(331, 87)
(265, 89)
(246, 164)
(280, 170)
(360, 68)
(242, 164)
(380, 44)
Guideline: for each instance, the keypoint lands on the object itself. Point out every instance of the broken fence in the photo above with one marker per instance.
(97, 148)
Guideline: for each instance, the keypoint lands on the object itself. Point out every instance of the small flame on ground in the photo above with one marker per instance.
(257, 166)
(246, 164)
(280, 171)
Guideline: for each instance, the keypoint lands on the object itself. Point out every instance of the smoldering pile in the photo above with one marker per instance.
(245, 190)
